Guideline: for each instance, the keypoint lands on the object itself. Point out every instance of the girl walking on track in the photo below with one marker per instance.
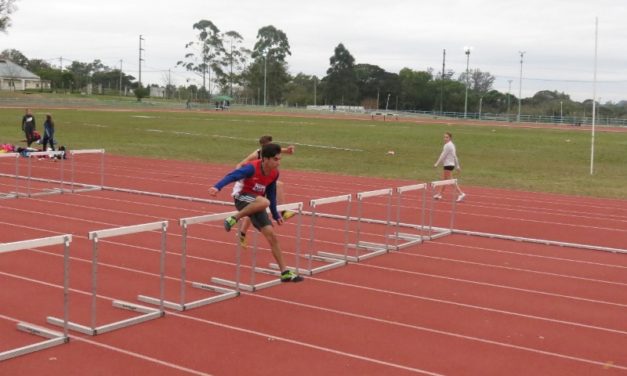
(448, 159)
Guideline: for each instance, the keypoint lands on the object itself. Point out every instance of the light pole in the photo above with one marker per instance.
(387, 102)
(561, 112)
(265, 77)
(467, 52)
(480, 103)
(522, 54)
(315, 84)
(140, 60)
(509, 97)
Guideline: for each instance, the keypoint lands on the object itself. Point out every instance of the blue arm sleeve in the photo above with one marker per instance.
(235, 175)
(271, 195)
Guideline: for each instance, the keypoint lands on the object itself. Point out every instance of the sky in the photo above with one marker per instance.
(556, 36)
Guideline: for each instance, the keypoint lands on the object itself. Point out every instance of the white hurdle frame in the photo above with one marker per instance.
(86, 186)
(53, 338)
(223, 292)
(253, 286)
(30, 178)
(15, 156)
(373, 249)
(441, 231)
(147, 313)
(330, 259)
(410, 239)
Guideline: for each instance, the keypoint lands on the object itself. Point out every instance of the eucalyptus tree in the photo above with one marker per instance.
(233, 61)
(205, 52)
(340, 83)
(268, 71)
(7, 7)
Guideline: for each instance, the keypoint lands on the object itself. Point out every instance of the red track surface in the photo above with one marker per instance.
(458, 305)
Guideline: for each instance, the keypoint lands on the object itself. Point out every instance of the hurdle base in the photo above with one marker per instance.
(224, 295)
(244, 286)
(54, 339)
(148, 314)
(331, 263)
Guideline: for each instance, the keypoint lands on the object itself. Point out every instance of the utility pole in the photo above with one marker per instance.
(522, 54)
(442, 83)
(509, 97)
(120, 76)
(467, 52)
(140, 59)
(315, 84)
(61, 62)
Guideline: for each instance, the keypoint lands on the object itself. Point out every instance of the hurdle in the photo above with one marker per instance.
(147, 313)
(54, 338)
(256, 286)
(15, 193)
(441, 231)
(86, 187)
(331, 260)
(30, 178)
(409, 239)
(223, 293)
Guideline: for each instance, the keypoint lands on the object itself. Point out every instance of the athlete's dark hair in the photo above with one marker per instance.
(265, 140)
(270, 150)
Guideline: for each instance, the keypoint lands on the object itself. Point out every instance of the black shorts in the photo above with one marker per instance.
(449, 168)
(259, 219)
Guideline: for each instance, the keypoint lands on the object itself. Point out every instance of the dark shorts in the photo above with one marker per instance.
(449, 168)
(259, 219)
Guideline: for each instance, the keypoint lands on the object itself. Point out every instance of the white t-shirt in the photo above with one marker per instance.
(448, 156)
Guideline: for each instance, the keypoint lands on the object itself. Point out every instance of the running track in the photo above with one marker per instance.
(458, 305)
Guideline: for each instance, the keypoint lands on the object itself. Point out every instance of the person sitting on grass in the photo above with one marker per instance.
(257, 194)
(280, 192)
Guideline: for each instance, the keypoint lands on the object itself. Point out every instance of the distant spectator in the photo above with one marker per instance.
(28, 127)
(48, 133)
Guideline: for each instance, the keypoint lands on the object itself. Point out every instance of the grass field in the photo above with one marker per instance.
(533, 159)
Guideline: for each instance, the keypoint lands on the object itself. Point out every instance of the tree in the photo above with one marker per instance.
(7, 7)
(209, 47)
(340, 84)
(267, 75)
(16, 56)
(480, 82)
(233, 61)
(300, 90)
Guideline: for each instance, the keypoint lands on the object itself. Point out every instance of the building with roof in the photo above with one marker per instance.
(15, 78)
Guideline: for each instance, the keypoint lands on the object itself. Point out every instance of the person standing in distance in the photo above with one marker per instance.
(28, 126)
(48, 133)
(448, 159)
(257, 194)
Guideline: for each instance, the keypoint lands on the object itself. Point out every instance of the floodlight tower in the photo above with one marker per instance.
(467, 52)
(522, 54)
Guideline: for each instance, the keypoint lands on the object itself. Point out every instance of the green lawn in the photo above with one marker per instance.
(528, 159)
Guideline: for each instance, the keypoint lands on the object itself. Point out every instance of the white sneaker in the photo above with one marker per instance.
(437, 196)
(461, 197)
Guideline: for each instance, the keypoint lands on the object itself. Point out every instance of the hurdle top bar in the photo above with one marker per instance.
(7, 155)
(440, 183)
(329, 200)
(34, 243)
(415, 187)
(380, 192)
(45, 153)
(184, 222)
(128, 230)
(87, 151)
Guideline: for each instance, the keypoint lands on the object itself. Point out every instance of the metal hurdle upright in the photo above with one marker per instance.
(224, 293)
(331, 260)
(53, 338)
(409, 239)
(30, 178)
(15, 156)
(87, 187)
(372, 249)
(253, 285)
(441, 231)
(147, 312)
